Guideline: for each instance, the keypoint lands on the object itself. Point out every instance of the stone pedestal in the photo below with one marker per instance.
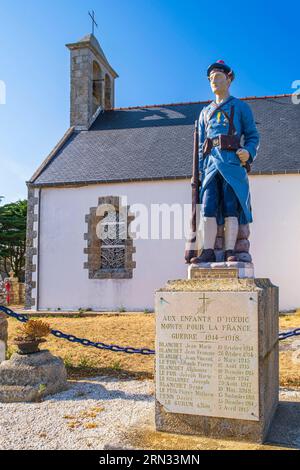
(3, 336)
(217, 370)
(28, 378)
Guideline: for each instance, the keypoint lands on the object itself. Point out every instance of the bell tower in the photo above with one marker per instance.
(92, 82)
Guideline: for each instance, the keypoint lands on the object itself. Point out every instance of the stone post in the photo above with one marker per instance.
(2, 294)
(14, 289)
(3, 336)
(21, 293)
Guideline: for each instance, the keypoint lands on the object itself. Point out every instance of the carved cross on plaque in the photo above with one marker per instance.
(205, 302)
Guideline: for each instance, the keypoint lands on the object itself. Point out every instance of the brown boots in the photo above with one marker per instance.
(230, 256)
(207, 256)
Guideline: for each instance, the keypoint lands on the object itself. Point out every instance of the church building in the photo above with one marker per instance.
(141, 156)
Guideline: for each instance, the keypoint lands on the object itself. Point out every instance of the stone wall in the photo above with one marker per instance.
(2, 293)
(31, 251)
(17, 291)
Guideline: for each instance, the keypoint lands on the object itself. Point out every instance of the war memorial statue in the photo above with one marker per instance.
(217, 360)
(228, 141)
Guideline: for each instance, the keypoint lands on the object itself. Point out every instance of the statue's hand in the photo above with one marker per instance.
(243, 155)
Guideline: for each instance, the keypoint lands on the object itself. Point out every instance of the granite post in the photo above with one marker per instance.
(31, 377)
(3, 336)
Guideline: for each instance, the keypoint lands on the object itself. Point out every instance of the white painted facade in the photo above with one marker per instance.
(62, 281)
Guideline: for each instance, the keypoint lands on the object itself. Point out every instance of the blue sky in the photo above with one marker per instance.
(160, 49)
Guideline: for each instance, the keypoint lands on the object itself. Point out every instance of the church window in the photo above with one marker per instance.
(109, 247)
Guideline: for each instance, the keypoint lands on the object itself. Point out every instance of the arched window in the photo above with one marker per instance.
(107, 92)
(97, 86)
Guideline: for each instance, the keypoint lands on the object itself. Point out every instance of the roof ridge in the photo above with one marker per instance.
(52, 154)
(284, 95)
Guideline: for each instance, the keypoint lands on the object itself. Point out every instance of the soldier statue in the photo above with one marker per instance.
(228, 144)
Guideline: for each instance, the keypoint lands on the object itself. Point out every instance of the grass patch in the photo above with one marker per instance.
(117, 365)
(290, 321)
(137, 330)
(132, 329)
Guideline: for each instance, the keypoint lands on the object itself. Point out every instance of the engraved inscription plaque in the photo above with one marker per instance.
(219, 273)
(207, 353)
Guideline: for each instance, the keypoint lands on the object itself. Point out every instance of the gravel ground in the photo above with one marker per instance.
(90, 415)
(94, 413)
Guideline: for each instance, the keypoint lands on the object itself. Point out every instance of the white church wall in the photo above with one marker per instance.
(275, 233)
(64, 283)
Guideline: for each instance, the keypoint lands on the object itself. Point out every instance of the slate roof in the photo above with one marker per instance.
(156, 142)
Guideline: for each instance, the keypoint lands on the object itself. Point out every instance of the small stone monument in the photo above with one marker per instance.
(217, 372)
(28, 378)
(16, 291)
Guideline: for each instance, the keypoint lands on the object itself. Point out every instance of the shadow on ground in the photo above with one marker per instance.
(77, 373)
(284, 434)
(285, 429)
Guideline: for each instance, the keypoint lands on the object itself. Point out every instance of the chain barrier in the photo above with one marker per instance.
(84, 342)
(114, 347)
(289, 334)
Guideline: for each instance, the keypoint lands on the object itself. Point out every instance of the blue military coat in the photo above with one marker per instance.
(227, 162)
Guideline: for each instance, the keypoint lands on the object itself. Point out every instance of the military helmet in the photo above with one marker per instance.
(220, 65)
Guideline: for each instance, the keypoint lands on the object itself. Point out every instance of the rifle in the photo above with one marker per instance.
(190, 249)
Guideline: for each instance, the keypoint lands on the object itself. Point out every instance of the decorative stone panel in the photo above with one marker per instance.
(109, 248)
